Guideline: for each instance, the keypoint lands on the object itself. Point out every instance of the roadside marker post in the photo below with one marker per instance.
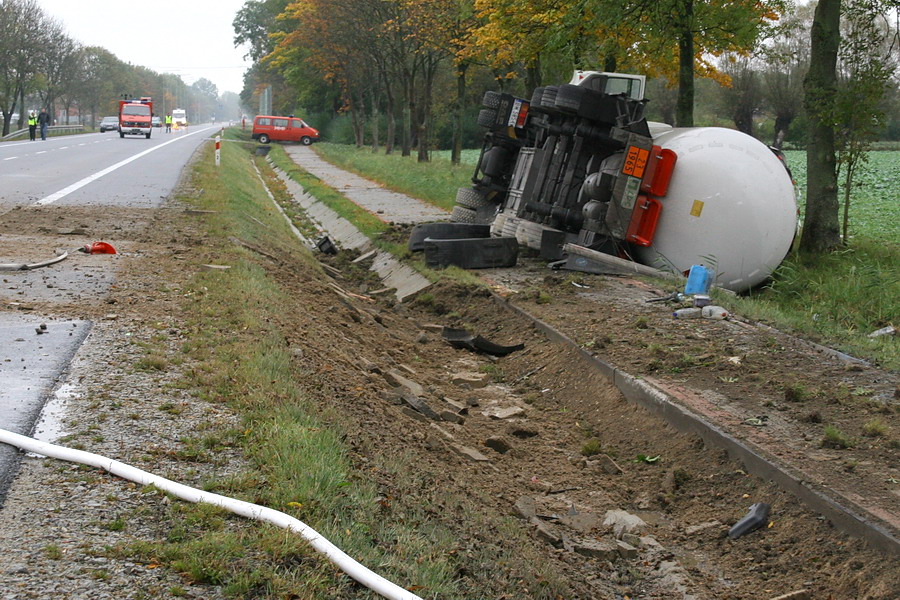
(218, 145)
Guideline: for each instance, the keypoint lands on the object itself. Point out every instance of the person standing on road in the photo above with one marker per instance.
(43, 120)
(168, 123)
(32, 125)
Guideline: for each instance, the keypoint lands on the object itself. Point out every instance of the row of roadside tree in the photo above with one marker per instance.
(42, 67)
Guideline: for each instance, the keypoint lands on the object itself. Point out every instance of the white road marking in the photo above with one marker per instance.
(41, 152)
(80, 184)
(11, 158)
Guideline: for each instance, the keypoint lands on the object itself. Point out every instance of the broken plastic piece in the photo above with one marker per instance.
(460, 338)
(98, 248)
(756, 518)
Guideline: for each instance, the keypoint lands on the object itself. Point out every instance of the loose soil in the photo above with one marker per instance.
(535, 450)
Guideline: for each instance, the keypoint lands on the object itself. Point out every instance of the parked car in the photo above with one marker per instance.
(109, 124)
(267, 128)
(156, 122)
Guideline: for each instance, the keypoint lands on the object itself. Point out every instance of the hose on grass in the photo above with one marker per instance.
(338, 557)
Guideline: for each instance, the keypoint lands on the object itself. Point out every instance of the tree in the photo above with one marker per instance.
(742, 97)
(820, 224)
(864, 70)
(786, 60)
(21, 42)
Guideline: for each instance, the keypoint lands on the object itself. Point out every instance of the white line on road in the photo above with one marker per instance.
(41, 152)
(80, 184)
(11, 158)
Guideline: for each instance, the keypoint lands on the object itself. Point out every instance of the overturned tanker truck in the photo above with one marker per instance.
(579, 174)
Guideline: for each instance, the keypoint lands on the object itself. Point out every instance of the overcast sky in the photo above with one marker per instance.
(191, 38)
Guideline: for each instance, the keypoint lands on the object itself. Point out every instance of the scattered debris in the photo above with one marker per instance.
(470, 453)
(502, 413)
(889, 330)
(471, 380)
(623, 522)
(98, 248)
(326, 246)
(756, 518)
(216, 267)
(461, 338)
(366, 256)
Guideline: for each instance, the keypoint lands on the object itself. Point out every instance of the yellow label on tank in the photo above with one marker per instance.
(697, 208)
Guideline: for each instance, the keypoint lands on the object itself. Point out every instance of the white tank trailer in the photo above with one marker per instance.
(580, 165)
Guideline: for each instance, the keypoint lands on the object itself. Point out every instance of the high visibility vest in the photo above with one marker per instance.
(32, 121)
(168, 119)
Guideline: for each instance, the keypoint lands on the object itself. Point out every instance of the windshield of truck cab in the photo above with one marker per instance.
(136, 109)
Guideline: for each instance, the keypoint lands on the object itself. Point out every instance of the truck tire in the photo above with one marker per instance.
(445, 231)
(461, 214)
(148, 135)
(306, 140)
(263, 138)
(466, 196)
(569, 98)
(487, 117)
(548, 98)
(121, 134)
(491, 99)
(536, 96)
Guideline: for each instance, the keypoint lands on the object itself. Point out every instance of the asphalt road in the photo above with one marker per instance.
(96, 169)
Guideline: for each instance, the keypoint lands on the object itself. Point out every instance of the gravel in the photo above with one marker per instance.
(61, 523)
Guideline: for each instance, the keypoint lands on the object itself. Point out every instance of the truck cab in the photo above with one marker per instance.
(135, 117)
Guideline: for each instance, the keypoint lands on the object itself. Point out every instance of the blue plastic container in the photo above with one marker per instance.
(698, 281)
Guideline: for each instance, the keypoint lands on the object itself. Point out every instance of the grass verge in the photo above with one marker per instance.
(435, 182)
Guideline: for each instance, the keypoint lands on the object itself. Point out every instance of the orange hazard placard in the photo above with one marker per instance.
(635, 161)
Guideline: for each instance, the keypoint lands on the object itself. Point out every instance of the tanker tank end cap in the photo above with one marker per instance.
(98, 248)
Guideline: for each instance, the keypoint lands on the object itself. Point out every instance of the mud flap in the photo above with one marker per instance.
(472, 253)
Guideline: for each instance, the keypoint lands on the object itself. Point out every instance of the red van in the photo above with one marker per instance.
(267, 128)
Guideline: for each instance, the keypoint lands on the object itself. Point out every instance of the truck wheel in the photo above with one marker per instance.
(461, 214)
(548, 98)
(536, 96)
(466, 196)
(569, 98)
(263, 138)
(306, 140)
(491, 99)
(487, 117)
(148, 135)
(121, 134)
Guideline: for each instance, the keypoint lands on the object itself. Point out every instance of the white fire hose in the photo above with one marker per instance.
(337, 556)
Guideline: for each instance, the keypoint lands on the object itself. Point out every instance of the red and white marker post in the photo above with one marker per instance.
(218, 145)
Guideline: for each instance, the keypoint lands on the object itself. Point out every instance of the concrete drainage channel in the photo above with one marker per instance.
(842, 512)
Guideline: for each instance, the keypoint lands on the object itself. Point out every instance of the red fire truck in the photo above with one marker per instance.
(135, 117)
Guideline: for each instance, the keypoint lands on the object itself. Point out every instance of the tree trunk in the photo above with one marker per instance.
(533, 76)
(458, 113)
(782, 124)
(820, 223)
(684, 107)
